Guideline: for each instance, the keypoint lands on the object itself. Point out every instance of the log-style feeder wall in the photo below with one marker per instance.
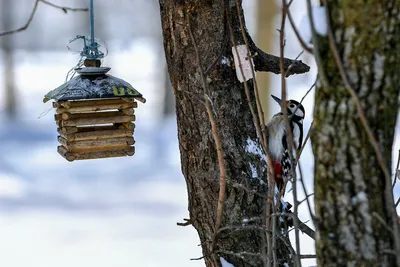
(90, 129)
(95, 114)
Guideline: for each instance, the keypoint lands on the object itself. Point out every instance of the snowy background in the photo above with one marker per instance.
(111, 212)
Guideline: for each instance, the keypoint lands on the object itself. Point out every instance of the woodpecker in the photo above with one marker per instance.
(277, 142)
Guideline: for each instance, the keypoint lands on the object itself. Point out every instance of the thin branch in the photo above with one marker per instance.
(382, 221)
(218, 143)
(260, 133)
(305, 192)
(64, 8)
(197, 259)
(289, 136)
(273, 248)
(308, 256)
(255, 88)
(296, 31)
(291, 65)
(186, 223)
(305, 199)
(305, 142)
(26, 24)
(396, 173)
(32, 15)
(317, 56)
(308, 91)
(397, 202)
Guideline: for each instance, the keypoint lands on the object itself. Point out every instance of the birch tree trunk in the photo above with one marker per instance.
(239, 244)
(356, 219)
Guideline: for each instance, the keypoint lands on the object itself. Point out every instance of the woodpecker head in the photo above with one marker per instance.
(295, 109)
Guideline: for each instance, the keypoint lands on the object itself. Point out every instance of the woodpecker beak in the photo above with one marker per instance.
(277, 100)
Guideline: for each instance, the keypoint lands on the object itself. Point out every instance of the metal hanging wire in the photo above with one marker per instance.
(90, 45)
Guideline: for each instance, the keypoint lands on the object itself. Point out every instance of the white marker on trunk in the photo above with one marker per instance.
(244, 63)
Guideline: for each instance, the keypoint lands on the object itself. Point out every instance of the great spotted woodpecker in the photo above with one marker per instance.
(277, 142)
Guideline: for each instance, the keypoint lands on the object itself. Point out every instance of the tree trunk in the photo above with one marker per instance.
(8, 57)
(246, 182)
(356, 219)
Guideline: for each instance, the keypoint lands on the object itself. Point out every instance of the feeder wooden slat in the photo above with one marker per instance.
(100, 120)
(95, 135)
(96, 102)
(97, 149)
(128, 125)
(96, 144)
(57, 117)
(141, 99)
(69, 116)
(128, 111)
(74, 129)
(70, 156)
(98, 107)
(68, 130)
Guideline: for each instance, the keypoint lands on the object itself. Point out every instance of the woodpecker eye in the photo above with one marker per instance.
(292, 105)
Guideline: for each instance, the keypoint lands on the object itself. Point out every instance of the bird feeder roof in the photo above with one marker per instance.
(93, 87)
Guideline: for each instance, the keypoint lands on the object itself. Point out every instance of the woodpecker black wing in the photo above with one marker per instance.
(286, 166)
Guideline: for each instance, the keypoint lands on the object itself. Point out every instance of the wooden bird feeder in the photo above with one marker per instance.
(95, 114)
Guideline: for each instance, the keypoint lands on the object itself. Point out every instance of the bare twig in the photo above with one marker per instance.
(382, 221)
(259, 123)
(305, 141)
(218, 143)
(396, 172)
(305, 199)
(305, 192)
(397, 202)
(308, 91)
(294, 62)
(273, 248)
(289, 136)
(258, 102)
(26, 24)
(186, 223)
(199, 258)
(64, 8)
(317, 56)
(32, 15)
(296, 31)
(308, 256)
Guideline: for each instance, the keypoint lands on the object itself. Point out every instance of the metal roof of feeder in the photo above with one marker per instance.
(93, 83)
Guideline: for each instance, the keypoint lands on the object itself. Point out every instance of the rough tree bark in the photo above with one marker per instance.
(355, 221)
(242, 152)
